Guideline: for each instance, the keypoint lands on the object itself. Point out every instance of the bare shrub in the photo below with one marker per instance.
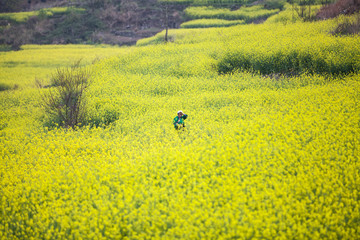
(64, 102)
(339, 7)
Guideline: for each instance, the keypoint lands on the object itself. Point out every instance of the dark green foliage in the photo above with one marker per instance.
(75, 27)
(280, 63)
(5, 48)
(274, 4)
(11, 5)
(224, 2)
(104, 119)
(4, 87)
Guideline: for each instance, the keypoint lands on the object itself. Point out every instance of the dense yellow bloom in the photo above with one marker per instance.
(260, 158)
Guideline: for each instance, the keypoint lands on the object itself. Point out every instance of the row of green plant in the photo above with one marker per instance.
(246, 2)
(43, 13)
(207, 23)
(244, 13)
(210, 2)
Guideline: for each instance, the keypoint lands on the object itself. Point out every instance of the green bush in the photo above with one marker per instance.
(285, 63)
(206, 23)
(11, 5)
(4, 87)
(103, 116)
(76, 27)
(244, 13)
(5, 47)
(274, 4)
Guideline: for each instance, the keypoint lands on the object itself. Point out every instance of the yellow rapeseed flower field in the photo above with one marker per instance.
(262, 156)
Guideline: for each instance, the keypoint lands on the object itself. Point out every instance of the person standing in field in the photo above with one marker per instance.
(179, 120)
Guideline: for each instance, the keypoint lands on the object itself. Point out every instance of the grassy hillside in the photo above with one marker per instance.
(264, 154)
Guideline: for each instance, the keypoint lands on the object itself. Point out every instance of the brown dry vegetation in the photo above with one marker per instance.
(340, 7)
